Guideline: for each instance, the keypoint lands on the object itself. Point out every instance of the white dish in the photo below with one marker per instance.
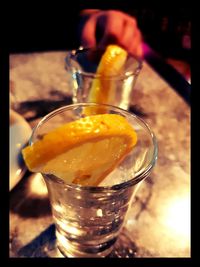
(20, 132)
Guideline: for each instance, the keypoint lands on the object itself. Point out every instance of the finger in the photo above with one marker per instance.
(136, 45)
(88, 33)
(129, 31)
(139, 52)
(113, 31)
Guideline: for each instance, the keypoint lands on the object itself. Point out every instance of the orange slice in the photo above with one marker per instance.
(111, 64)
(83, 151)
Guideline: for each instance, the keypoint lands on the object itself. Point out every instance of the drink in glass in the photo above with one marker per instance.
(111, 78)
(88, 219)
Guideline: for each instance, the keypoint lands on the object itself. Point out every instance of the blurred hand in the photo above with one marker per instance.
(105, 27)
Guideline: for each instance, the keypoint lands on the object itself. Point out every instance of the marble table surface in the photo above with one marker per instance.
(158, 222)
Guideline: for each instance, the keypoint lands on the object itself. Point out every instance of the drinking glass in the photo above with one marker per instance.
(89, 219)
(83, 63)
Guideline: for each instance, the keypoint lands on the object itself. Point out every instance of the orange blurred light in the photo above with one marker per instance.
(37, 185)
(176, 218)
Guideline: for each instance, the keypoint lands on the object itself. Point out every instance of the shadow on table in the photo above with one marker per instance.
(39, 108)
(44, 246)
(138, 111)
(28, 205)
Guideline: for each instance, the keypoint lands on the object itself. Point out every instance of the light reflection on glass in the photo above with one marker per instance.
(67, 227)
(18, 145)
(18, 172)
(99, 213)
(37, 185)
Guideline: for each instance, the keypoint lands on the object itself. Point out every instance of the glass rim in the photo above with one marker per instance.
(73, 53)
(136, 179)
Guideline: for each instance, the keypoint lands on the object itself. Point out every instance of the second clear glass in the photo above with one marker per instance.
(82, 65)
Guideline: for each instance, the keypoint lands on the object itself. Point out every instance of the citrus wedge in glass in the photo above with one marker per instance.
(83, 151)
(110, 67)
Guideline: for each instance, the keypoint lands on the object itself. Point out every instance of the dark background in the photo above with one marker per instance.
(166, 30)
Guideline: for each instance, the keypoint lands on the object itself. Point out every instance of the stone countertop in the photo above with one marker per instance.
(158, 222)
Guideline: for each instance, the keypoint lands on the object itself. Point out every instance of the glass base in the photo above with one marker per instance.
(103, 254)
(72, 249)
(45, 246)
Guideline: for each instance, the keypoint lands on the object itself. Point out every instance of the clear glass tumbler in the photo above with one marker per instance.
(88, 219)
(83, 63)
